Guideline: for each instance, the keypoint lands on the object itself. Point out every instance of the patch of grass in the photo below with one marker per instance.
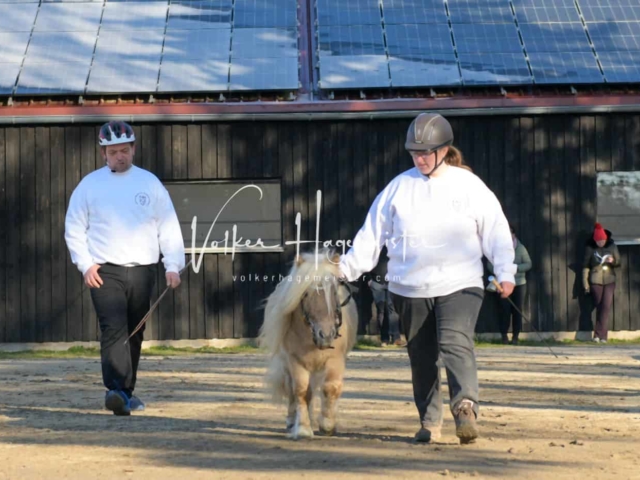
(364, 344)
(82, 352)
(173, 351)
(538, 343)
(367, 344)
(73, 352)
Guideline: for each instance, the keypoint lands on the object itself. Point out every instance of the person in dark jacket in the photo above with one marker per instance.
(601, 258)
(388, 320)
(523, 261)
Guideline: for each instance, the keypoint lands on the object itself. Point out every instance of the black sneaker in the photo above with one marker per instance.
(465, 417)
(428, 434)
(118, 402)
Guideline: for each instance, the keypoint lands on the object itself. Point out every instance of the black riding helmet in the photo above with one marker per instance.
(427, 133)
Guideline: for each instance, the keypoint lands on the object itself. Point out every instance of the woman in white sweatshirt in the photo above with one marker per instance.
(437, 220)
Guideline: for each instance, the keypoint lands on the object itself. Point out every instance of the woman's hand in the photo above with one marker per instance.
(507, 289)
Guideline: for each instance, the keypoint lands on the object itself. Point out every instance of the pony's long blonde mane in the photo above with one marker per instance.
(281, 304)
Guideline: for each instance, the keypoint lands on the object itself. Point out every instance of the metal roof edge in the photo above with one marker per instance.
(318, 110)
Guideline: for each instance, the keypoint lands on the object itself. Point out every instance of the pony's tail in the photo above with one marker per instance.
(276, 379)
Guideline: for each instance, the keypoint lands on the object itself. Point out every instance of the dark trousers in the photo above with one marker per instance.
(603, 299)
(388, 321)
(508, 312)
(120, 303)
(442, 326)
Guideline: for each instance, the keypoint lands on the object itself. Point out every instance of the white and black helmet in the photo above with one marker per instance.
(116, 132)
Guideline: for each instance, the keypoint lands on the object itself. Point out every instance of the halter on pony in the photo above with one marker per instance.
(338, 311)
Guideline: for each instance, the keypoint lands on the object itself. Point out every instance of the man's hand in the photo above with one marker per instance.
(507, 289)
(173, 279)
(91, 277)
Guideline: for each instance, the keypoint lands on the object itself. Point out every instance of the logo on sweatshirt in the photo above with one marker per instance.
(142, 199)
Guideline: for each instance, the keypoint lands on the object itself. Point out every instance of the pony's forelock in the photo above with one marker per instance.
(287, 296)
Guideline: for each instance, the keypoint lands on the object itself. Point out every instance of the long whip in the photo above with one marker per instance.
(153, 307)
(493, 280)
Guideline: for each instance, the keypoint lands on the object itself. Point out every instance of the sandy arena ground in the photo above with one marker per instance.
(573, 418)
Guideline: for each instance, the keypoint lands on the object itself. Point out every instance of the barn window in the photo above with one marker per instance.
(619, 205)
(246, 215)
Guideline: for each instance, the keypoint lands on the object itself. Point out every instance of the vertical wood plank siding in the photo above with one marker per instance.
(541, 168)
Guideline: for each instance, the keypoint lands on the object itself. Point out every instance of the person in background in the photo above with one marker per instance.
(523, 261)
(437, 220)
(601, 258)
(388, 320)
(120, 218)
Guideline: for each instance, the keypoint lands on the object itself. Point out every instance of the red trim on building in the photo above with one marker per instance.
(351, 106)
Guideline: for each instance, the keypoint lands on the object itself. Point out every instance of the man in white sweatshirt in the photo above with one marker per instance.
(120, 218)
(437, 221)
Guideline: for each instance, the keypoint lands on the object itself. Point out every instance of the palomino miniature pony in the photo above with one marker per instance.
(310, 325)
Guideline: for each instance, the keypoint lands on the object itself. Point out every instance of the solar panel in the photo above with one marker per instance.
(615, 36)
(132, 44)
(554, 37)
(568, 68)
(199, 14)
(352, 40)
(13, 46)
(125, 76)
(612, 11)
(427, 70)
(134, 15)
(354, 71)
(68, 17)
(264, 43)
(412, 40)
(487, 38)
(480, 11)
(49, 47)
(209, 75)
(353, 12)
(494, 69)
(546, 11)
(53, 78)
(8, 75)
(620, 67)
(17, 17)
(197, 44)
(414, 11)
(126, 61)
(265, 13)
(264, 74)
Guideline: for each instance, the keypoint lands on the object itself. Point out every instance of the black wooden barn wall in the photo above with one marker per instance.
(541, 168)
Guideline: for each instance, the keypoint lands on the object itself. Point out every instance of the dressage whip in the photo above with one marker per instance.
(493, 280)
(153, 307)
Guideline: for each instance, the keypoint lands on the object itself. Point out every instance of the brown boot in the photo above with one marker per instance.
(428, 434)
(466, 427)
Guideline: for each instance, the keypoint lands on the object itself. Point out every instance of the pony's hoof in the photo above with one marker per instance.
(327, 432)
(300, 432)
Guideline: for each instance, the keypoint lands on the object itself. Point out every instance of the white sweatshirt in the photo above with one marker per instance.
(436, 231)
(125, 219)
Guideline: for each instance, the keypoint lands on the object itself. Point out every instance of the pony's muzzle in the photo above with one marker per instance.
(323, 340)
